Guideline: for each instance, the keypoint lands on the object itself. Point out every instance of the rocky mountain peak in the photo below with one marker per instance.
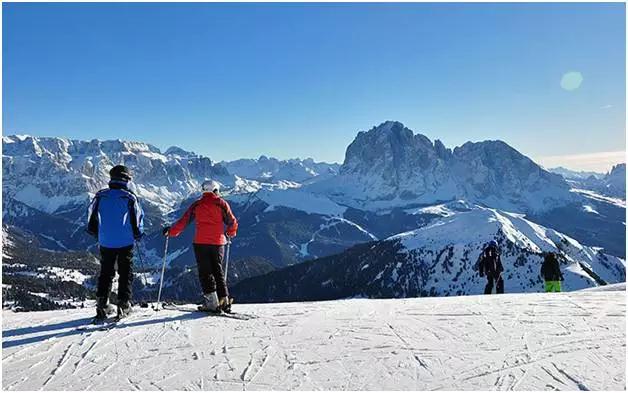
(389, 164)
(618, 170)
(390, 147)
(177, 151)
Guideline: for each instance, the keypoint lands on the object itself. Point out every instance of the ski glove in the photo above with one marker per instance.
(166, 230)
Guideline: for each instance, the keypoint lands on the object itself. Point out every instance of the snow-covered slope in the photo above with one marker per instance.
(35, 278)
(294, 198)
(444, 244)
(391, 166)
(568, 341)
(439, 259)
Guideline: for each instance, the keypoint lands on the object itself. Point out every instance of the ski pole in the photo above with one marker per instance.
(143, 267)
(227, 257)
(163, 268)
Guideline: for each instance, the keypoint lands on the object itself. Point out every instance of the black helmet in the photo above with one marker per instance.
(120, 172)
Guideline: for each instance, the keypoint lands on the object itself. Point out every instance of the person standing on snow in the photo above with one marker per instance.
(490, 264)
(211, 215)
(550, 270)
(116, 219)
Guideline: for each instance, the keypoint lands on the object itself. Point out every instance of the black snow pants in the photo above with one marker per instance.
(210, 274)
(488, 289)
(108, 259)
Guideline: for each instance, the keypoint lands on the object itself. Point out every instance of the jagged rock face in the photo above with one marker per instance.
(491, 171)
(272, 169)
(52, 174)
(389, 165)
(391, 161)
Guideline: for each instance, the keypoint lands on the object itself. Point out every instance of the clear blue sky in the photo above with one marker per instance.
(298, 80)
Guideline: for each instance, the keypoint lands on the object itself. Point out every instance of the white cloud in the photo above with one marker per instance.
(609, 106)
(598, 162)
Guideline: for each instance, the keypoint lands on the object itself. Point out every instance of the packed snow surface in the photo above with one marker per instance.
(567, 341)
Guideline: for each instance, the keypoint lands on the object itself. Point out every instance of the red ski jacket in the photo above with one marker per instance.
(210, 213)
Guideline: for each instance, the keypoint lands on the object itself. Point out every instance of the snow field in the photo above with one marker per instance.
(567, 341)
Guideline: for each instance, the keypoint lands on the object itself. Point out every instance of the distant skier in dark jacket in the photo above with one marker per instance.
(212, 217)
(490, 264)
(550, 270)
(116, 219)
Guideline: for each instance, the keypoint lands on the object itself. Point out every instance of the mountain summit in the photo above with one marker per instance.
(390, 166)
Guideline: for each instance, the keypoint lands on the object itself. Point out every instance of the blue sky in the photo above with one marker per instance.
(299, 80)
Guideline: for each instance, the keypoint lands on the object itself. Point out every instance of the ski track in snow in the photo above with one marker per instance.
(566, 341)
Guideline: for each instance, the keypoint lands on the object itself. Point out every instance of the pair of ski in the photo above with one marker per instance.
(232, 315)
(103, 324)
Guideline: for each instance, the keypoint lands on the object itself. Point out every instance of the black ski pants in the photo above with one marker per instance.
(210, 273)
(488, 289)
(108, 259)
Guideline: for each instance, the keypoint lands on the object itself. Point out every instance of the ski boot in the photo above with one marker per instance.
(124, 309)
(103, 309)
(210, 303)
(225, 304)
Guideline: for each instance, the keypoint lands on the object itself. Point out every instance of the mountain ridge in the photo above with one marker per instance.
(438, 259)
(292, 211)
(389, 165)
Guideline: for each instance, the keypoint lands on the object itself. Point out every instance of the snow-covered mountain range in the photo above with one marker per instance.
(569, 174)
(56, 174)
(272, 170)
(611, 184)
(391, 182)
(439, 259)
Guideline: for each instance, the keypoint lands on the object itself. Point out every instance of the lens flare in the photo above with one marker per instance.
(571, 80)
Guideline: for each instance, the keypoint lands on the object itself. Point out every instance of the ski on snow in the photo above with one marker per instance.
(114, 321)
(100, 324)
(107, 323)
(232, 315)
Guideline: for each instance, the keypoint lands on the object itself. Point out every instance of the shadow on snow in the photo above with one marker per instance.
(77, 323)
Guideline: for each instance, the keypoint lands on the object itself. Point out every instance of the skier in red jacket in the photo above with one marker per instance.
(211, 215)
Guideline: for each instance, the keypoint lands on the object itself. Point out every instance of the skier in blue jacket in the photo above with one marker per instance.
(116, 219)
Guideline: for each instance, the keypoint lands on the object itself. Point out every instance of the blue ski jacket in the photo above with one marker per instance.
(115, 216)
